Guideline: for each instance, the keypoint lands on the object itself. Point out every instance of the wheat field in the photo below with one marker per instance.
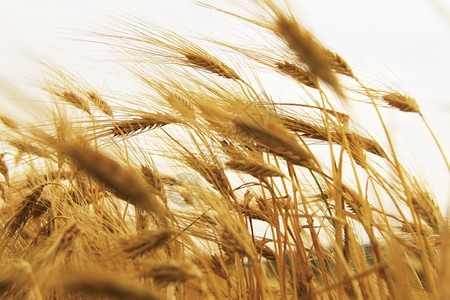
(200, 183)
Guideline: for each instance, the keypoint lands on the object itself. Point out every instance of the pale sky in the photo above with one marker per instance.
(404, 43)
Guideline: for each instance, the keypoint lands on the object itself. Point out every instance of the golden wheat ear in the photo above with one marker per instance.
(254, 167)
(100, 103)
(172, 272)
(308, 50)
(145, 122)
(96, 284)
(146, 241)
(10, 123)
(298, 73)
(16, 279)
(123, 181)
(401, 102)
(275, 138)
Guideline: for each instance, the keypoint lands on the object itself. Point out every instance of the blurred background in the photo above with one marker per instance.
(403, 44)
